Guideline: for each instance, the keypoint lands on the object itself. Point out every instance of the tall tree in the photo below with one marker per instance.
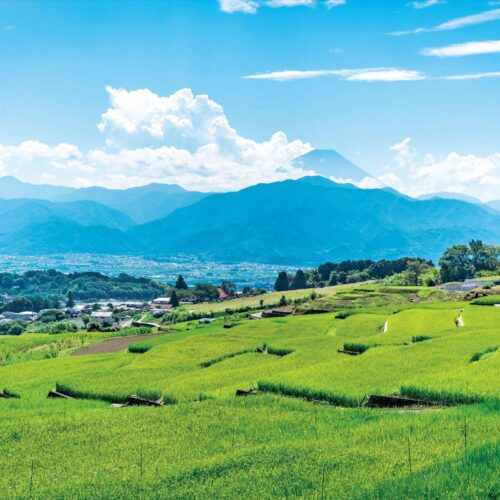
(456, 264)
(70, 302)
(180, 284)
(282, 282)
(299, 280)
(174, 300)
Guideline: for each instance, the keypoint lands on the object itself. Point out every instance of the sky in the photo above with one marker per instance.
(217, 95)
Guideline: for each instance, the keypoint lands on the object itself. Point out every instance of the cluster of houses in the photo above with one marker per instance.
(102, 312)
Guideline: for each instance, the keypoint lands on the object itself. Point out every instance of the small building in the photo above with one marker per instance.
(278, 312)
(23, 316)
(161, 303)
(206, 321)
(222, 294)
(103, 317)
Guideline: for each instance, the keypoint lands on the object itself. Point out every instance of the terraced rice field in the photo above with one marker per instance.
(303, 434)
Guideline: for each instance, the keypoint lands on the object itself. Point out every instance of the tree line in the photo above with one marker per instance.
(457, 263)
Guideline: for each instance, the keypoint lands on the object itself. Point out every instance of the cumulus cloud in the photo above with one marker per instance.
(416, 174)
(464, 49)
(352, 75)
(453, 24)
(182, 138)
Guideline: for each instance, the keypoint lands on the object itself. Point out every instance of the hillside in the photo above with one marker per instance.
(305, 430)
(306, 221)
(313, 220)
(16, 214)
(141, 204)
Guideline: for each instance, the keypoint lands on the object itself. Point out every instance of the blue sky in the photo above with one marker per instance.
(420, 133)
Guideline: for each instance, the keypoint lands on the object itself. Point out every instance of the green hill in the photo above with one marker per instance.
(304, 435)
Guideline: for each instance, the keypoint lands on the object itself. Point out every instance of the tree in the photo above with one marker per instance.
(414, 269)
(299, 281)
(180, 284)
(174, 300)
(483, 256)
(282, 282)
(282, 301)
(456, 264)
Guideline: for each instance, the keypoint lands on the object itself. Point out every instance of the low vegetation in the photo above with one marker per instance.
(302, 434)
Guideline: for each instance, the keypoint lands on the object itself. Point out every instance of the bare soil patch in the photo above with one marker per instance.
(112, 345)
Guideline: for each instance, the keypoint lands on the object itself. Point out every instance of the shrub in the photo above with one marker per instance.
(420, 338)
(490, 300)
(307, 393)
(361, 348)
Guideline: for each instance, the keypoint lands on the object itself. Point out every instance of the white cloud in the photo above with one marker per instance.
(459, 22)
(464, 49)
(290, 3)
(353, 75)
(232, 6)
(387, 75)
(423, 4)
(181, 138)
(472, 76)
(252, 6)
(416, 174)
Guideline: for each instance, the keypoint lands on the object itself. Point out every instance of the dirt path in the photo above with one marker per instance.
(112, 345)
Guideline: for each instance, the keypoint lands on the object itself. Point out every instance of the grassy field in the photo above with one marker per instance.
(286, 441)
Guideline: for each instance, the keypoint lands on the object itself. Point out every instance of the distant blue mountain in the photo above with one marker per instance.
(141, 204)
(312, 220)
(306, 221)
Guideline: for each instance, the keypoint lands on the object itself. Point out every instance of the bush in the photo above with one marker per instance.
(361, 348)
(420, 338)
(490, 300)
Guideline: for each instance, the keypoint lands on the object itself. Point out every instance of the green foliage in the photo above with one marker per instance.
(174, 300)
(16, 327)
(460, 262)
(180, 284)
(282, 282)
(361, 348)
(420, 338)
(478, 355)
(489, 300)
(83, 286)
(299, 280)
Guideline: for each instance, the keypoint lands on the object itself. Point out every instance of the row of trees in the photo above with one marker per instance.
(457, 263)
(352, 271)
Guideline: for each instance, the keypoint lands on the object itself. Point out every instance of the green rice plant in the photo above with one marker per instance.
(443, 397)
(213, 361)
(478, 355)
(490, 300)
(279, 351)
(361, 348)
(110, 397)
(10, 393)
(420, 338)
(307, 393)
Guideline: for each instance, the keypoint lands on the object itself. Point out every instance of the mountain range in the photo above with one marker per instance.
(302, 221)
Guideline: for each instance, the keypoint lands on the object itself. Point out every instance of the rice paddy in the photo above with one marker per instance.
(304, 433)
